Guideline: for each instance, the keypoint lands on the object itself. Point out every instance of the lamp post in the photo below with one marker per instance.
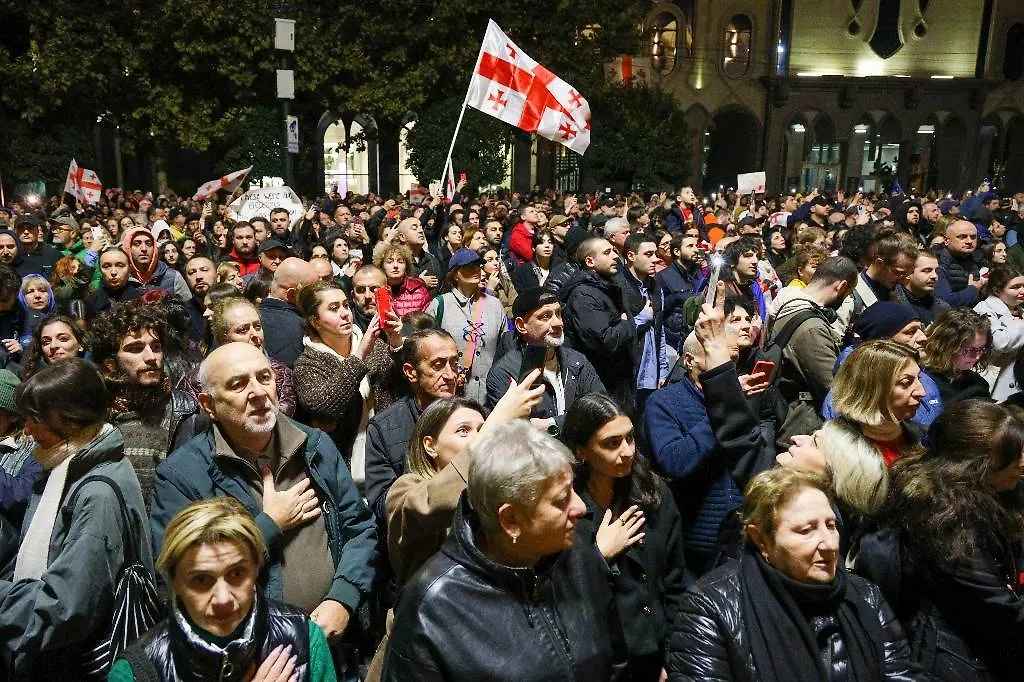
(284, 44)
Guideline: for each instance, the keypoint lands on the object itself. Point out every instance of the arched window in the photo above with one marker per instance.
(738, 35)
(664, 42)
(1013, 53)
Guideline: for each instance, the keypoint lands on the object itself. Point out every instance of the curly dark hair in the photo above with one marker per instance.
(112, 325)
(941, 500)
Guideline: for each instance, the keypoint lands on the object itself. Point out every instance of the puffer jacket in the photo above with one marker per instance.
(177, 651)
(954, 273)
(594, 326)
(709, 640)
(465, 617)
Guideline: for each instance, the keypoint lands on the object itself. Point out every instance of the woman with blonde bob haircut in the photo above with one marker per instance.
(877, 391)
(220, 626)
(751, 619)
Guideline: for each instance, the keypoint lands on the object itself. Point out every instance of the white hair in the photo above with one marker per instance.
(858, 472)
(512, 464)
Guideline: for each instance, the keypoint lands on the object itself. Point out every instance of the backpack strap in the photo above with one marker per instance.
(129, 546)
(791, 326)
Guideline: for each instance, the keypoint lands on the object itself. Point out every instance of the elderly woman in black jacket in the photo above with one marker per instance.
(785, 611)
(634, 520)
(515, 592)
(947, 552)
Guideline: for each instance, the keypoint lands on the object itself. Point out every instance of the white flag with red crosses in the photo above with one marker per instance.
(83, 184)
(228, 183)
(508, 85)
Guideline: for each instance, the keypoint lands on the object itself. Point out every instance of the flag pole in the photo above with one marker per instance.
(462, 112)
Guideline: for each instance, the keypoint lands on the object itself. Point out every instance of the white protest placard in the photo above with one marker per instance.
(262, 200)
(750, 183)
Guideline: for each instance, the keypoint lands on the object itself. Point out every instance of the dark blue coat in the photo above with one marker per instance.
(708, 442)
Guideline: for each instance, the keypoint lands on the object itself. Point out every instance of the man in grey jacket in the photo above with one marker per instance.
(810, 355)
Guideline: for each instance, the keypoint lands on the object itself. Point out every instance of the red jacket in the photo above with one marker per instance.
(248, 265)
(413, 297)
(520, 243)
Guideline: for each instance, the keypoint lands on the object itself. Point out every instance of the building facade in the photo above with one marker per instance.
(847, 94)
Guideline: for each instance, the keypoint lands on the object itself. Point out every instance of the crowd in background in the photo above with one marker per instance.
(538, 436)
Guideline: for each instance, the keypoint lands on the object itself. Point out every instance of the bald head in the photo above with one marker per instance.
(290, 275)
(962, 238)
(239, 393)
(323, 268)
(410, 231)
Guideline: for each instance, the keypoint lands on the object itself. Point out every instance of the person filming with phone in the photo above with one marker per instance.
(540, 337)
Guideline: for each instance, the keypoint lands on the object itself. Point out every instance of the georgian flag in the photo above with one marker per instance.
(508, 85)
(83, 184)
(229, 183)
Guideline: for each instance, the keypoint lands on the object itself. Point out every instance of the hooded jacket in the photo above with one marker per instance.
(594, 326)
(34, 317)
(156, 273)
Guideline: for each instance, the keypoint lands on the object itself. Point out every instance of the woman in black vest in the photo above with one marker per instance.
(220, 627)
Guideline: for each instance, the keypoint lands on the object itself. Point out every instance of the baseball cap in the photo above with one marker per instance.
(268, 244)
(67, 221)
(532, 299)
(27, 219)
(463, 256)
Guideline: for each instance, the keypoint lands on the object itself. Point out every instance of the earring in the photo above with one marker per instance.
(515, 539)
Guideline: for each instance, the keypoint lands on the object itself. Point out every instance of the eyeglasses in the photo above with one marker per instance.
(973, 350)
(372, 288)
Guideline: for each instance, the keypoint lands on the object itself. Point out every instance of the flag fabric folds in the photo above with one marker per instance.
(508, 85)
(229, 183)
(83, 184)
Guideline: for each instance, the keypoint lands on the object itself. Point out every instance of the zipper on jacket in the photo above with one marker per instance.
(538, 601)
(225, 668)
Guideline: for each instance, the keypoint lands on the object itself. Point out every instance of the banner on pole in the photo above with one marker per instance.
(293, 134)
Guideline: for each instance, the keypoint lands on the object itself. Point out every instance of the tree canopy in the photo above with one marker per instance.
(199, 76)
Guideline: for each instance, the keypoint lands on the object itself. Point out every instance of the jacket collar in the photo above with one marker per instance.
(462, 547)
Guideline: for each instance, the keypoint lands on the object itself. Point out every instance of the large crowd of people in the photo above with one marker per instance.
(539, 436)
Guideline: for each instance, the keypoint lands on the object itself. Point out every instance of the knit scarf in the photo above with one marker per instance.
(777, 612)
(34, 553)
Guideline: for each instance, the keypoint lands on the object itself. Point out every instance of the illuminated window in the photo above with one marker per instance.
(664, 42)
(738, 34)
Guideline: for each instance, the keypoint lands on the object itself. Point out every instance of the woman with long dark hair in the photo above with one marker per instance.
(634, 522)
(57, 337)
(947, 554)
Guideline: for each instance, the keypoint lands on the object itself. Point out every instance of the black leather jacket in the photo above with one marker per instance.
(709, 639)
(464, 617)
(178, 652)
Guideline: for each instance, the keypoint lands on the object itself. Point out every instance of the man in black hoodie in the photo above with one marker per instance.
(596, 321)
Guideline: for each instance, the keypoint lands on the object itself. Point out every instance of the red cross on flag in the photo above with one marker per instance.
(83, 184)
(509, 85)
(228, 183)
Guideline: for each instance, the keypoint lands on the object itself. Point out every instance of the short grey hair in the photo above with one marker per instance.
(615, 225)
(203, 377)
(512, 464)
